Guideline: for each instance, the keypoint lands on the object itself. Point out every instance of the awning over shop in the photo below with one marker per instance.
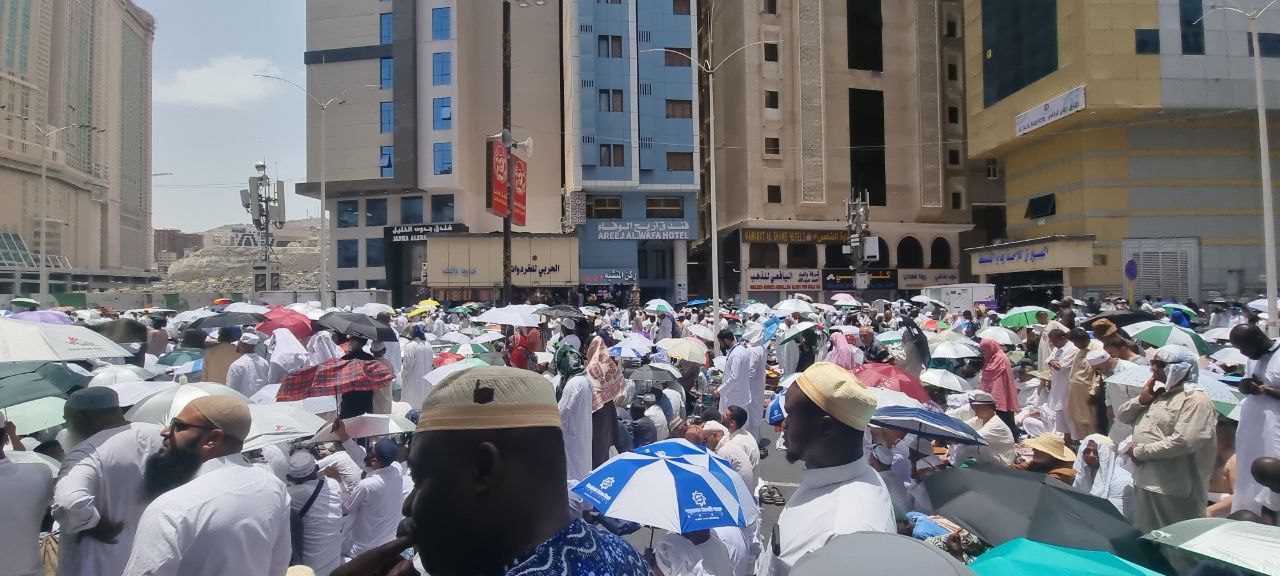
(1046, 253)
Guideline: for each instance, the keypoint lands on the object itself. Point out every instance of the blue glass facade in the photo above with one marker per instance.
(648, 200)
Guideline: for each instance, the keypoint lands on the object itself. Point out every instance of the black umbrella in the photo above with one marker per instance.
(1120, 318)
(998, 504)
(356, 324)
(648, 377)
(227, 319)
(122, 331)
(562, 311)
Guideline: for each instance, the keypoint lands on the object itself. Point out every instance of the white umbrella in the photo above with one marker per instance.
(944, 379)
(246, 308)
(373, 309)
(660, 306)
(793, 332)
(1230, 357)
(792, 305)
(757, 308)
(488, 337)
(956, 349)
(128, 385)
(276, 423)
(456, 338)
(29, 457)
(435, 376)
(1004, 336)
(824, 307)
(666, 368)
(508, 315)
(368, 425)
(704, 332)
(638, 343)
(1261, 304)
(887, 397)
(188, 317)
(922, 299)
(313, 405)
(163, 406)
(1218, 334)
(35, 341)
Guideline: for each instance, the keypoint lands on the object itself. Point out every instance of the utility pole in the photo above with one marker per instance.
(509, 141)
(859, 223)
(265, 205)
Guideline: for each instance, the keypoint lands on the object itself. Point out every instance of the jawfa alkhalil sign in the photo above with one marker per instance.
(420, 232)
(1059, 107)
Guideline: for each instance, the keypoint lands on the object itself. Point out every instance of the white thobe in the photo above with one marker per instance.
(1000, 448)
(739, 459)
(27, 489)
(735, 545)
(664, 328)
(830, 502)
(438, 327)
(1258, 435)
(248, 374)
(575, 422)
(755, 411)
(347, 468)
(746, 442)
(232, 518)
(322, 526)
(374, 507)
(1046, 348)
(418, 360)
(735, 388)
(1117, 395)
(102, 478)
(1060, 379)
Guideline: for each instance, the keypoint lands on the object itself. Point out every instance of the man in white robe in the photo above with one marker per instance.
(735, 387)
(1059, 362)
(753, 337)
(249, 372)
(575, 422)
(419, 359)
(1258, 434)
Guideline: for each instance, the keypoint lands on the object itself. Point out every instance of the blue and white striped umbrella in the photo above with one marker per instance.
(926, 424)
(672, 485)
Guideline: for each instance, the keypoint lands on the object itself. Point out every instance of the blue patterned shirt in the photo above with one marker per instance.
(581, 550)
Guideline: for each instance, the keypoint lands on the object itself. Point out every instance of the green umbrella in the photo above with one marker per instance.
(26, 381)
(1163, 333)
(1019, 557)
(1248, 545)
(469, 349)
(35, 415)
(795, 332)
(460, 310)
(181, 356)
(1171, 306)
(1023, 316)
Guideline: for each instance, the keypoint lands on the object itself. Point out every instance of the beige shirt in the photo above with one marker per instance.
(217, 360)
(1174, 441)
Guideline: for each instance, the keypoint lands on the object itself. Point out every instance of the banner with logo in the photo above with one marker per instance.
(519, 180)
(498, 191)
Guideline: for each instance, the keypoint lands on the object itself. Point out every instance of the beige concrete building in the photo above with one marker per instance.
(87, 65)
(855, 95)
(421, 80)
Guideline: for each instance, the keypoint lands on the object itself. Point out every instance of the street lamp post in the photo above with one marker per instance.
(324, 175)
(508, 140)
(709, 70)
(1264, 150)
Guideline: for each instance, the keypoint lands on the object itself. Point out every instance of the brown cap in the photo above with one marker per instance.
(227, 413)
(490, 398)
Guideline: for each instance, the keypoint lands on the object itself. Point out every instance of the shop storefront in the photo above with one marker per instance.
(607, 285)
(1034, 271)
(650, 253)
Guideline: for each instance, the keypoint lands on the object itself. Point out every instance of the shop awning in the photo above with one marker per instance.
(1045, 253)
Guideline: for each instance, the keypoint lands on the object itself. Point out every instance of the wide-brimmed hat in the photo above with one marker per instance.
(1053, 445)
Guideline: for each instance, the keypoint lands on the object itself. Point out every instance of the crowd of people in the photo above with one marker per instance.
(507, 416)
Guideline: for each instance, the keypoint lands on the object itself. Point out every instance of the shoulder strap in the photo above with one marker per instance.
(306, 507)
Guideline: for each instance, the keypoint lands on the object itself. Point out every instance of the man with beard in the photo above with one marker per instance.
(214, 513)
(490, 492)
(828, 411)
(98, 499)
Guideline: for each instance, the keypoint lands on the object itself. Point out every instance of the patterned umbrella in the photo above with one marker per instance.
(334, 377)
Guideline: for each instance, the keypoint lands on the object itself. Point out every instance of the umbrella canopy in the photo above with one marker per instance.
(367, 426)
(886, 397)
(226, 319)
(876, 375)
(469, 349)
(131, 389)
(334, 377)
(1162, 334)
(838, 296)
(757, 308)
(320, 405)
(429, 303)
(794, 333)
(878, 553)
(181, 356)
(420, 310)
(647, 377)
(925, 300)
(353, 324)
(684, 348)
(1224, 396)
(703, 332)
(1004, 336)
(292, 320)
(373, 309)
(456, 338)
(1230, 357)
(439, 374)
(1023, 316)
(1120, 318)
(1169, 307)
(1217, 334)
(189, 316)
(44, 316)
(671, 485)
(956, 349)
(509, 316)
(914, 340)
(792, 305)
(1020, 556)
(926, 424)
(245, 307)
(31, 341)
(29, 303)
(488, 337)
(161, 407)
(122, 330)
(460, 310)
(660, 306)
(824, 307)
(26, 381)
(944, 379)
(35, 415)
(999, 504)
(889, 337)
(697, 302)
(276, 423)
(562, 311)
(1260, 304)
(1249, 545)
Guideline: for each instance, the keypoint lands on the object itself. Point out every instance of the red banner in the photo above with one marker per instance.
(519, 192)
(498, 190)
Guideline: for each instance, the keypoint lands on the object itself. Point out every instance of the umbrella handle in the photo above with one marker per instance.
(651, 530)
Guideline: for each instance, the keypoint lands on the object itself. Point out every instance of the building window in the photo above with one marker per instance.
(660, 264)
(348, 213)
(604, 207)
(772, 146)
(384, 24)
(953, 71)
(679, 161)
(679, 108)
(763, 255)
(993, 169)
(348, 284)
(348, 253)
(1190, 13)
(774, 193)
(664, 207)
(957, 201)
(940, 253)
(770, 6)
(442, 208)
(441, 69)
(612, 155)
(1147, 41)
(770, 52)
(442, 157)
(1019, 45)
(375, 212)
(411, 210)
(771, 99)
(910, 253)
(387, 73)
(680, 7)
(611, 101)
(865, 33)
(375, 252)
(442, 113)
(1041, 207)
(953, 157)
(953, 28)
(441, 27)
(387, 118)
(866, 138)
(386, 161)
(609, 46)
(802, 256)
(642, 262)
(677, 57)
(953, 114)
(1268, 42)
(375, 284)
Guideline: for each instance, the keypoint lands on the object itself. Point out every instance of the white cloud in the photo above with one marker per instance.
(224, 82)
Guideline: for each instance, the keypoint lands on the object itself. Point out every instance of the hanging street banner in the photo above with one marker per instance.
(498, 191)
(519, 195)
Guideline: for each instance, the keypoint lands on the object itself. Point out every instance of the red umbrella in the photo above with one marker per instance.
(444, 358)
(876, 375)
(291, 320)
(334, 377)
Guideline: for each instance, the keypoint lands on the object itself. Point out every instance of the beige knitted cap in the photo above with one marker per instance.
(229, 414)
(490, 398)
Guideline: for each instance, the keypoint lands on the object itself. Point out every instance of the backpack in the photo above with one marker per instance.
(295, 525)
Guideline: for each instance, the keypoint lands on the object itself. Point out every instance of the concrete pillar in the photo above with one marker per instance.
(680, 265)
(782, 255)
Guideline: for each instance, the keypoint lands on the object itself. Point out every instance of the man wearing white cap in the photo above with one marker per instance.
(98, 498)
(249, 372)
(27, 488)
(828, 411)
(1001, 446)
(1106, 366)
(318, 500)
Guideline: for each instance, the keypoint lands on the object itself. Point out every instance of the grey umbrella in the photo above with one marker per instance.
(879, 553)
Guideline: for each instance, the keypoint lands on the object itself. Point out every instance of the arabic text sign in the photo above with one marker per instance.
(795, 236)
(764, 279)
(1014, 256)
(534, 269)
(651, 229)
(420, 232)
(844, 280)
(604, 276)
(917, 279)
(1063, 105)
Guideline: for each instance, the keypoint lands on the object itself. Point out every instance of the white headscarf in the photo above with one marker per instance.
(287, 352)
(322, 348)
(753, 335)
(1181, 366)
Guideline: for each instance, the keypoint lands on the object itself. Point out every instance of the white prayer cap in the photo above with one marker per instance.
(713, 426)
(1097, 357)
(250, 339)
(301, 464)
(568, 323)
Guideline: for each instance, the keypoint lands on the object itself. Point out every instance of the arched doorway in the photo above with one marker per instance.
(910, 253)
(940, 254)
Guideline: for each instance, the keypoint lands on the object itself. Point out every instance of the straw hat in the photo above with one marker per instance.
(1053, 445)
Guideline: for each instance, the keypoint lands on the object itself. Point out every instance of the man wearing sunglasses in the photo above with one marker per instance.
(215, 512)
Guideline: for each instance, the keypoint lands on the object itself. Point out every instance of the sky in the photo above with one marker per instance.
(213, 119)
